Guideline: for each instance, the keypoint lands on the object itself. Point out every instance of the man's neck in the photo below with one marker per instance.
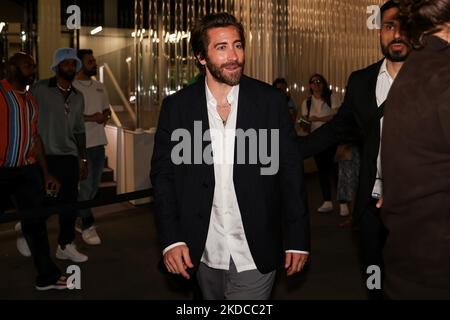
(393, 67)
(63, 83)
(83, 77)
(218, 90)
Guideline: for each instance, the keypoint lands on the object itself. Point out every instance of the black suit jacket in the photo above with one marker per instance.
(184, 193)
(357, 119)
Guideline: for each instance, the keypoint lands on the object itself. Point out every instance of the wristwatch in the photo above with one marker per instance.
(84, 160)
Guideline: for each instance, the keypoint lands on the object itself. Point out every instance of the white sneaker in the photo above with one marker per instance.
(21, 243)
(90, 236)
(344, 211)
(78, 226)
(327, 206)
(70, 253)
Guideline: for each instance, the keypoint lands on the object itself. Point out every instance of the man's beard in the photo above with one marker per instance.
(91, 73)
(69, 76)
(220, 76)
(24, 80)
(397, 55)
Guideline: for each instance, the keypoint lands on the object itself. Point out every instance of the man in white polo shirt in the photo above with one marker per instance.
(96, 114)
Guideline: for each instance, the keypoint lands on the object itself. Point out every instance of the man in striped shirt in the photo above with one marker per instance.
(23, 169)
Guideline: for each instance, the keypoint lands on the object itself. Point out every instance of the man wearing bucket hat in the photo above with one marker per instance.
(61, 126)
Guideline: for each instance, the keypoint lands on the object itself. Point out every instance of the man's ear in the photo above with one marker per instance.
(201, 60)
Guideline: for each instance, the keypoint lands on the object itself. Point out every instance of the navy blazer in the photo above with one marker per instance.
(184, 193)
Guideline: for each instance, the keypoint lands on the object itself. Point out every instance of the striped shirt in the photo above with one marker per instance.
(18, 127)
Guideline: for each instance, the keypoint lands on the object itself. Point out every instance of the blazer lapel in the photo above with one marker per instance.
(201, 114)
(247, 109)
(246, 118)
(373, 104)
(376, 113)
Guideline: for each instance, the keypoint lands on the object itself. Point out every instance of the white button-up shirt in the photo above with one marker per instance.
(226, 236)
(384, 83)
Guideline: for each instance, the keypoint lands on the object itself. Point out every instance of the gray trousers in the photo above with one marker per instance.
(218, 284)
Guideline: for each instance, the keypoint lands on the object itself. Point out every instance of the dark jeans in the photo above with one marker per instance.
(67, 170)
(327, 171)
(26, 187)
(89, 187)
(373, 236)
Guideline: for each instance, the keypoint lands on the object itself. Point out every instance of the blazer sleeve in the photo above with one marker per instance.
(444, 112)
(162, 179)
(292, 188)
(339, 129)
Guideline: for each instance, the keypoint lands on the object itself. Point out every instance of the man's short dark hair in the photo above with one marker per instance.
(199, 35)
(278, 81)
(421, 18)
(389, 5)
(82, 52)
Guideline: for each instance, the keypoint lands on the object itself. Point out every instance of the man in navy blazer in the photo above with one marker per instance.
(227, 176)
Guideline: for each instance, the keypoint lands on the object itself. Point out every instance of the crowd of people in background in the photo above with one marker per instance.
(54, 155)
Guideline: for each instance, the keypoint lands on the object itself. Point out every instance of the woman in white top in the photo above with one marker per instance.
(318, 109)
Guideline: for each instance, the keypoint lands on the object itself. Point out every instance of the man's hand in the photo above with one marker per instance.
(106, 116)
(83, 170)
(99, 118)
(295, 262)
(52, 185)
(380, 203)
(177, 260)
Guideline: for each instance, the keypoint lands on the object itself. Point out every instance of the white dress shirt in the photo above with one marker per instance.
(384, 83)
(226, 236)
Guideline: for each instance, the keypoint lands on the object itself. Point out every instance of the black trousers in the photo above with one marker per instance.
(327, 171)
(66, 169)
(373, 236)
(26, 188)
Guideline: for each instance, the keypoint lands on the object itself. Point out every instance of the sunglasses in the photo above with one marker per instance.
(316, 81)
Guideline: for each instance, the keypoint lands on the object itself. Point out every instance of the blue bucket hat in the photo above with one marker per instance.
(62, 54)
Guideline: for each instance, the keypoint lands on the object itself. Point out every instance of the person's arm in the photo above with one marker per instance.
(80, 140)
(176, 252)
(444, 113)
(340, 128)
(293, 195)
(322, 119)
(96, 117)
(51, 184)
(106, 106)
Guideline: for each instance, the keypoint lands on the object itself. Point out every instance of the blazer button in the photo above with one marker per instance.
(205, 185)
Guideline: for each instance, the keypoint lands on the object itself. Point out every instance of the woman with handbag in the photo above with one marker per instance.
(319, 108)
